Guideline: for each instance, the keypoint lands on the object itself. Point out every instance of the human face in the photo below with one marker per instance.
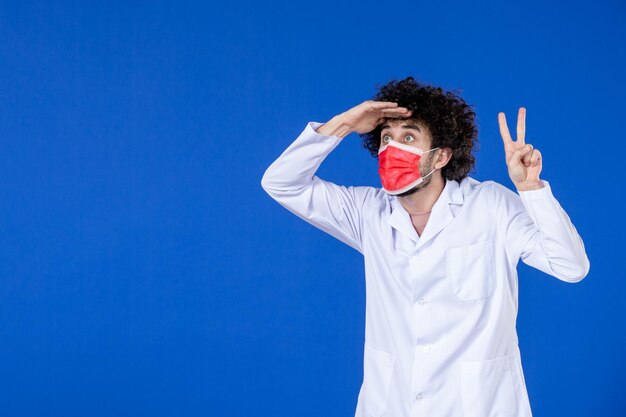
(413, 133)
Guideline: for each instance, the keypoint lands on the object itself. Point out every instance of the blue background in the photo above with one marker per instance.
(143, 269)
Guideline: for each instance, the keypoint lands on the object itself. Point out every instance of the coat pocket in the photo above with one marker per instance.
(487, 388)
(377, 373)
(471, 270)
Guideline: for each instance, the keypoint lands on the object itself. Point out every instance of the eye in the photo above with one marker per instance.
(409, 136)
(386, 138)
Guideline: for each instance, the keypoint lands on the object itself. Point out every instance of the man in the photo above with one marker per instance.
(440, 249)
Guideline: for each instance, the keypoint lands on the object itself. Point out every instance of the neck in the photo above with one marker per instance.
(424, 199)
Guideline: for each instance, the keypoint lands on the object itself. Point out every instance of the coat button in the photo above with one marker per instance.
(426, 349)
(419, 396)
(422, 301)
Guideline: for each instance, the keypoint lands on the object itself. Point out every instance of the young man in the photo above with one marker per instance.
(440, 249)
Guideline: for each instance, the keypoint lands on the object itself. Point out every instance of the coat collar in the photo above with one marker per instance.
(443, 212)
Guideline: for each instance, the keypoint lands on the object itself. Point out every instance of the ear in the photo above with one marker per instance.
(443, 157)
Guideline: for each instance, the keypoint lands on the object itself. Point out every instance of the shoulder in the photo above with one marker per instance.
(494, 188)
(367, 196)
(372, 200)
(471, 187)
(366, 191)
(504, 201)
(494, 194)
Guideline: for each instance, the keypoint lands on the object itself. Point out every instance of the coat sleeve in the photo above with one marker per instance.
(538, 231)
(291, 181)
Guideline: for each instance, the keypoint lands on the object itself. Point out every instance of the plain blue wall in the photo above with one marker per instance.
(144, 271)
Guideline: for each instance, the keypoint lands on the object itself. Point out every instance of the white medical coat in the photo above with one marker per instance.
(440, 335)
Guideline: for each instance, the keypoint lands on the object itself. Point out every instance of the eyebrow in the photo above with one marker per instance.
(414, 127)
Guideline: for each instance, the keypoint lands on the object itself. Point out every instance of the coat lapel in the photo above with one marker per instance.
(442, 214)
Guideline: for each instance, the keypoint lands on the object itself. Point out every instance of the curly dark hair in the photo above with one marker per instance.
(450, 120)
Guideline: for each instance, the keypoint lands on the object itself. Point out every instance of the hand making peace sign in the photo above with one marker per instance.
(522, 160)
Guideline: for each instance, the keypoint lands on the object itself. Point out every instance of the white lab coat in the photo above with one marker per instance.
(440, 335)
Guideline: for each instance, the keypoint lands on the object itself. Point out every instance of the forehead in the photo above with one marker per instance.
(413, 124)
(406, 124)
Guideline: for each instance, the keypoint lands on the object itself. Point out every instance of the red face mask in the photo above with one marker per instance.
(398, 166)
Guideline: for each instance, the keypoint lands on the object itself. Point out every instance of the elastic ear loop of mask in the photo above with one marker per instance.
(405, 147)
(434, 169)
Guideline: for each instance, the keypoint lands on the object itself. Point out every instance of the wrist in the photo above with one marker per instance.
(335, 127)
(529, 186)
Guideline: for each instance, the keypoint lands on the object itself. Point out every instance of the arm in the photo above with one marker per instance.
(291, 181)
(538, 230)
(535, 226)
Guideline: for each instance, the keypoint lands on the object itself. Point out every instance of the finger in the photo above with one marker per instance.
(521, 125)
(504, 130)
(517, 157)
(383, 104)
(536, 159)
(528, 156)
(396, 112)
